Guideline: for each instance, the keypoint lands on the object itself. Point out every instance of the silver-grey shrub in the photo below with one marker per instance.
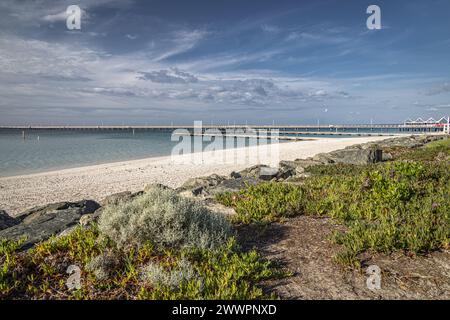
(165, 219)
(157, 275)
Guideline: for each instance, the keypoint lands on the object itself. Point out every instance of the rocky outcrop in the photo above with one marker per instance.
(298, 166)
(120, 197)
(262, 172)
(40, 223)
(355, 155)
(6, 220)
(209, 186)
(412, 141)
(201, 185)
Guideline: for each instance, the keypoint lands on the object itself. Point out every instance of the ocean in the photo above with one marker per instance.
(47, 150)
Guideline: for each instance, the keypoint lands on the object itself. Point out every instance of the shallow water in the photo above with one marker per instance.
(46, 150)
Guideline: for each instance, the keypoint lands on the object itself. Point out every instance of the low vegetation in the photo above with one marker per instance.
(122, 261)
(166, 219)
(399, 205)
(264, 203)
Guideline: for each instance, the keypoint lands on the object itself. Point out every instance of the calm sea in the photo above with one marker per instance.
(46, 150)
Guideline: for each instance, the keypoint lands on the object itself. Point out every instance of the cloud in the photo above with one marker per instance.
(443, 88)
(270, 28)
(62, 16)
(437, 107)
(132, 36)
(179, 42)
(172, 75)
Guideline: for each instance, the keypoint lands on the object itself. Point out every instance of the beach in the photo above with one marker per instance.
(19, 193)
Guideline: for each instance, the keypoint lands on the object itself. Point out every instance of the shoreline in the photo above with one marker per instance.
(21, 192)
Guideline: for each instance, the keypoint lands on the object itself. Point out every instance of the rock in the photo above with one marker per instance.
(235, 175)
(231, 185)
(116, 198)
(260, 171)
(6, 220)
(87, 219)
(268, 173)
(40, 223)
(66, 232)
(209, 190)
(284, 173)
(322, 158)
(121, 197)
(299, 165)
(406, 142)
(386, 156)
(152, 186)
(198, 185)
(354, 155)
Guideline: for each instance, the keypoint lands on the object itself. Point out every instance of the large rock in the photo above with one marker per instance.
(356, 155)
(413, 141)
(199, 185)
(116, 198)
(209, 186)
(299, 165)
(40, 223)
(232, 185)
(6, 220)
(260, 171)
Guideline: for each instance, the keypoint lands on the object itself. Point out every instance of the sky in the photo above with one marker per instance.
(260, 62)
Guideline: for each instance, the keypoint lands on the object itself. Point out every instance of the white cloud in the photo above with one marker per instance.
(132, 36)
(62, 16)
(179, 42)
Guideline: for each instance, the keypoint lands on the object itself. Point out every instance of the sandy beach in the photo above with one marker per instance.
(95, 182)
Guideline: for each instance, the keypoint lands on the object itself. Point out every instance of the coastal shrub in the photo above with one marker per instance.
(225, 272)
(434, 151)
(399, 205)
(264, 202)
(165, 219)
(103, 265)
(341, 169)
(158, 276)
(9, 272)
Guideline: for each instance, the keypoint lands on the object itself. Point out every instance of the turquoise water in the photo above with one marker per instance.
(46, 150)
(61, 149)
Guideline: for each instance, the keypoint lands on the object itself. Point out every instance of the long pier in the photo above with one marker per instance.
(293, 129)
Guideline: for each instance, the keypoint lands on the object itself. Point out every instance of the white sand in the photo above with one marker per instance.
(95, 182)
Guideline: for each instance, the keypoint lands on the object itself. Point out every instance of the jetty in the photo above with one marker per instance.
(408, 126)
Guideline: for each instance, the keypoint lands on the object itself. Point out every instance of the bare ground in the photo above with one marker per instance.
(301, 245)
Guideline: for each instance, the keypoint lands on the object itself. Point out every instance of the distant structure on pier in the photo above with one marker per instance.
(431, 124)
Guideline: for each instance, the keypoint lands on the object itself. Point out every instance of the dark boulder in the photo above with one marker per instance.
(6, 220)
(40, 223)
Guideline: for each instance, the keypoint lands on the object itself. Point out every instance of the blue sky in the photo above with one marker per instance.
(162, 62)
